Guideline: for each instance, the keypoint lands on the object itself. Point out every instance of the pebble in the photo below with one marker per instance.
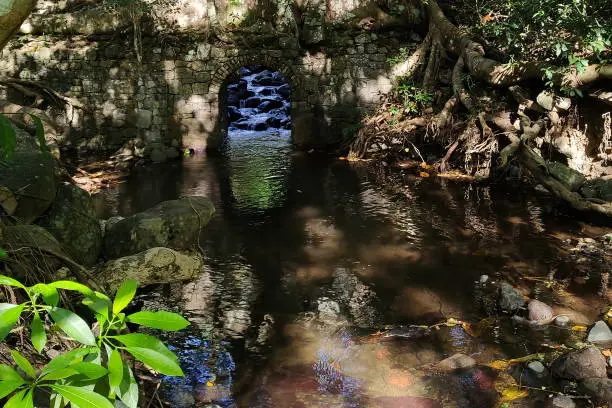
(562, 321)
(483, 278)
(455, 362)
(563, 401)
(538, 368)
(600, 333)
(539, 311)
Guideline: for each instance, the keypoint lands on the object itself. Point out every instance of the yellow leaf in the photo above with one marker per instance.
(513, 393)
(209, 384)
(527, 358)
(499, 365)
(579, 328)
(423, 174)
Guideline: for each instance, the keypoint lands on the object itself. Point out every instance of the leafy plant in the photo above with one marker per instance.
(412, 98)
(95, 374)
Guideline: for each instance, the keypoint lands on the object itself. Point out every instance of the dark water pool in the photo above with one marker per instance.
(309, 260)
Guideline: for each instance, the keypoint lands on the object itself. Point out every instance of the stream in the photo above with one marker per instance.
(310, 259)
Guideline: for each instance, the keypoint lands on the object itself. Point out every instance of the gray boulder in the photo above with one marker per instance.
(32, 175)
(174, 224)
(510, 299)
(580, 365)
(72, 220)
(600, 333)
(539, 311)
(599, 388)
(153, 266)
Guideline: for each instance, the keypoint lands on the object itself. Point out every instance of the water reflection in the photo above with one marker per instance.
(308, 259)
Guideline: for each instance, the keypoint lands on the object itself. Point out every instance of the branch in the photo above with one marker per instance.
(12, 20)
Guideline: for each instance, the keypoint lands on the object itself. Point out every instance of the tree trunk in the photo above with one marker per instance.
(12, 17)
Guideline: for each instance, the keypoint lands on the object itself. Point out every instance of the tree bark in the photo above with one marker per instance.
(11, 20)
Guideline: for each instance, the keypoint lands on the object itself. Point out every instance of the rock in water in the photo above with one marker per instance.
(456, 362)
(562, 321)
(600, 333)
(563, 401)
(72, 220)
(581, 364)
(539, 311)
(153, 266)
(599, 388)
(174, 224)
(510, 300)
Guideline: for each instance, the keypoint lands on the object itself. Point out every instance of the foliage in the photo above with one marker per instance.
(411, 98)
(570, 33)
(403, 54)
(95, 374)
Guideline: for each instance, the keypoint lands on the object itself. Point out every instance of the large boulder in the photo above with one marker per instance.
(174, 224)
(599, 388)
(153, 266)
(30, 175)
(72, 220)
(600, 333)
(580, 365)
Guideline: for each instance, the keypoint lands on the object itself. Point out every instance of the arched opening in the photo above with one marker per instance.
(258, 99)
(256, 116)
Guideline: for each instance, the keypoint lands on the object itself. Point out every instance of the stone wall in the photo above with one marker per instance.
(175, 97)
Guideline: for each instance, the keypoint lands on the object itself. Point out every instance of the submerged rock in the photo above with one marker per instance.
(510, 300)
(72, 220)
(600, 333)
(599, 388)
(456, 362)
(562, 401)
(539, 311)
(581, 364)
(153, 266)
(174, 224)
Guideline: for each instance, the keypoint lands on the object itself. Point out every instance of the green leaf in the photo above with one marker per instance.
(23, 363)
(8, 319)
(3, 254)
(70, 285)
(40, 134)
(8, 373)
(90, 370)
(146, 341)
(5, 280)
(19, 400)
(128, 389)
(99, 303)
(157, 361)
(73, 325)
(66, 359)
(38, 335)
(82, 397)
(59, 374)
(159, 320)
(8, 139)
(49, 294)
(7, 387)
(124, 295)
(115, 369)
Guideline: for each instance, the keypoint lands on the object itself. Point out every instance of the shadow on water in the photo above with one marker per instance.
(308, 257)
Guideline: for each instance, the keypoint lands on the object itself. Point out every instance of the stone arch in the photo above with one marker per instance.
(225, 73)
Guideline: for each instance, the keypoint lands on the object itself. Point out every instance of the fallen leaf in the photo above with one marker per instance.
(499, 365)
(579, 328)
(423, 174)
(513, 393)
(530, 357)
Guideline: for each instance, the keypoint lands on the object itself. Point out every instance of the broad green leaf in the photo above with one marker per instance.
(7, 387)
(82, 398)
(59, 374)
(20, 400)
(8, 373)
(66, 359)
(38, 335)
(40, 134)
(8, 139)
(157, 361)
(70, 285)
(159, 320)
(49, 294)
(57, 401)
(99, 303)
(5, 280)
(124, 295)
(8, 319)
(90, 370)
(23, 363)
(146, 341)
(115, 369)
(73, 325)
(128, 389)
